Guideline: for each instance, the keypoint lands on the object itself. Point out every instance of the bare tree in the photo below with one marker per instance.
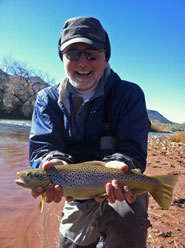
(24, 70)
(20, 91)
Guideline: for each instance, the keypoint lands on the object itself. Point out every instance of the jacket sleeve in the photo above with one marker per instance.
(132, 127)
(46, 140)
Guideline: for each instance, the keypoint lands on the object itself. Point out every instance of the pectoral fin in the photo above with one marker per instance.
(41, 205)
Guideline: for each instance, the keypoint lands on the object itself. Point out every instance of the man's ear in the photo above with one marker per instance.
(105, 61)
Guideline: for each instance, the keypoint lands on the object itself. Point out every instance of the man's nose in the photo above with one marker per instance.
(83, 59)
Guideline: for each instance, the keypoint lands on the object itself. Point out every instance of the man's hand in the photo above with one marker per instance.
(53, 192)
(114, 192)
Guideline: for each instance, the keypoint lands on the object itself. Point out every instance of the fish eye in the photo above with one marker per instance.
(28, 174)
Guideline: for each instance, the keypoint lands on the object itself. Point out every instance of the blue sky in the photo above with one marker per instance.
(147, 40)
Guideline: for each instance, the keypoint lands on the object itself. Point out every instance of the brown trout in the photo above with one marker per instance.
(87, 180)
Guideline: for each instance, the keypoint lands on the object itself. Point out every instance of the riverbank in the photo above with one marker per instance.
(168, 226)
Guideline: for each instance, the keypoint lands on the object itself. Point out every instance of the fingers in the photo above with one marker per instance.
(128, 195)
(117, 191)
(36, 192)
(110, 193)
(114, 192)
(57, 193)
(69, 199)
(53, 193)
(49, 193)
(48, 164)
(124, 168)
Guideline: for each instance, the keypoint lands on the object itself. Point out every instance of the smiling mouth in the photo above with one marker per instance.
(83, 73)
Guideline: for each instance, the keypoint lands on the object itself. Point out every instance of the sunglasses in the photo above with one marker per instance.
(90, 54)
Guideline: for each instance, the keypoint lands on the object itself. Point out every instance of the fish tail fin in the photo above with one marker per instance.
(163, 195)
(41, 205)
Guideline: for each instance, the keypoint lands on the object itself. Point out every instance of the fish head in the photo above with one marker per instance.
(32, 179)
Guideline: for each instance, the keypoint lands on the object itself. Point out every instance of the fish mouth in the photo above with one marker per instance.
(20, 182)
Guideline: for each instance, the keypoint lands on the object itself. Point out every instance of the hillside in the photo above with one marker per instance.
(162, 124)
(156, 117)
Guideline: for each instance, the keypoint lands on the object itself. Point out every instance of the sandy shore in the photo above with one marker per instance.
(168, 226)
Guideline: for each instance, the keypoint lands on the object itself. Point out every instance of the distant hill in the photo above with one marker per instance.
(156, 117)
(161, 124)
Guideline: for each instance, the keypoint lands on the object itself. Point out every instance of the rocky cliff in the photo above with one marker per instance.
(17, 95)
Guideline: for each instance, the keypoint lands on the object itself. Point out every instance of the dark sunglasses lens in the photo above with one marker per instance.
(92, 54)
(73, 55)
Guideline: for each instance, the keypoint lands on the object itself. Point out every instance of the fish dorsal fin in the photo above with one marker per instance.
(136, 171)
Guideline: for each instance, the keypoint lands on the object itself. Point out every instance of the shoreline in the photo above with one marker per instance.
(27, 124)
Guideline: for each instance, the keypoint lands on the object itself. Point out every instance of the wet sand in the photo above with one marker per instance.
(22, 225)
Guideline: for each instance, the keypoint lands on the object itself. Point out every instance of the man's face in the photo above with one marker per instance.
(84, 74)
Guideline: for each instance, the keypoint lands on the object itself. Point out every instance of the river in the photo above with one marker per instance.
(21, 223)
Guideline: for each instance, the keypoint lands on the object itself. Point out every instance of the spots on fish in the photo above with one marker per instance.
(40, 177)
(74, 176)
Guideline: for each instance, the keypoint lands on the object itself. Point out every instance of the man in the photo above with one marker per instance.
(92, 115)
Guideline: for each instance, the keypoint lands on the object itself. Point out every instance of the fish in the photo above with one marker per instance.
(87, 180)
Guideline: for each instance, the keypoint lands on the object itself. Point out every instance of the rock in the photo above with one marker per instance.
(165, 234)
(179, 202)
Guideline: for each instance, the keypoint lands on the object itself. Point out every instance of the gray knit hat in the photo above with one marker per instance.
(86, 30)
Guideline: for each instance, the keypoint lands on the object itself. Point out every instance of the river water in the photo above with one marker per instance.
(21, 223)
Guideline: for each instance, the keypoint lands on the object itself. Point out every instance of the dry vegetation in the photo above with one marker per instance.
(160, 127)
(178, 138)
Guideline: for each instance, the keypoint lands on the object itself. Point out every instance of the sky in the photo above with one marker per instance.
(147, 42)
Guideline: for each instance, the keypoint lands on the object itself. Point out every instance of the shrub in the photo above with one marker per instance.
(178, 138)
